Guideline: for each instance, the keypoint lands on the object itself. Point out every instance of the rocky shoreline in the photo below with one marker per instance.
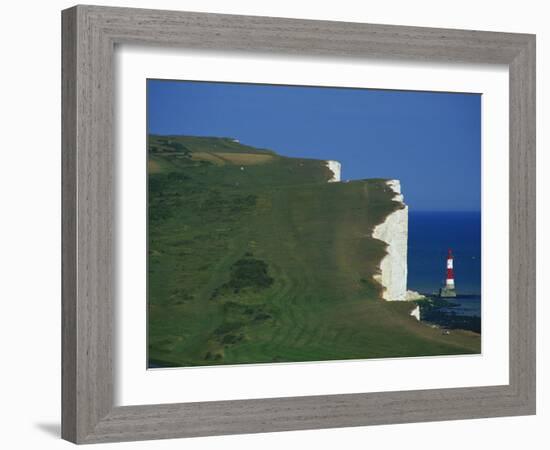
(439, 312)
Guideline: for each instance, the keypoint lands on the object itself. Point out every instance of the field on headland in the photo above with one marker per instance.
(254, 257)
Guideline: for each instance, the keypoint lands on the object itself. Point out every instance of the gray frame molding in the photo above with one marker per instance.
(89, 36)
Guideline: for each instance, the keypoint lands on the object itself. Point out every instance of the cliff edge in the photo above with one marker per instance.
(394, 231)
(336, 168)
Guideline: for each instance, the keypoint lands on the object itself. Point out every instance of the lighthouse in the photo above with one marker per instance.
(449, 289)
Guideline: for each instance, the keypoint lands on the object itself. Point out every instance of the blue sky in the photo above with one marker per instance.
(430, 141)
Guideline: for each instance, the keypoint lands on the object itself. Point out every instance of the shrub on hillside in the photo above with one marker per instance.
(249, 273)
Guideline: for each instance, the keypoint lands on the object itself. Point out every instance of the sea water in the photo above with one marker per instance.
(431, 234)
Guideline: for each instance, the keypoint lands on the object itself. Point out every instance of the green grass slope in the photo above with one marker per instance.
(253, 257)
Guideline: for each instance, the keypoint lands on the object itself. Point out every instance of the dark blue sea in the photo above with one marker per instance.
(431, 234)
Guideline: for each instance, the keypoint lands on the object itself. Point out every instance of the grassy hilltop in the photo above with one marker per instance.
(253, 257)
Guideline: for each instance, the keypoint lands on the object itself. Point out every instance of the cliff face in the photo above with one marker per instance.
(394, 232)
(335, 167)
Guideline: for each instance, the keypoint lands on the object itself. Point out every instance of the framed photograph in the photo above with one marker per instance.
(278, 224)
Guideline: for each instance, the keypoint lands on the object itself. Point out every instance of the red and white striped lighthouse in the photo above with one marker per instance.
(449, 289)
(450, 280)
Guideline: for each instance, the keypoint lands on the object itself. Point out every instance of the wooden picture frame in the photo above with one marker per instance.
(90, 34)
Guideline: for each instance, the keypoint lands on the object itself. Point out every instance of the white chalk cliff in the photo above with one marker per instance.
(394, 231)
(416, 312)
(336, 168)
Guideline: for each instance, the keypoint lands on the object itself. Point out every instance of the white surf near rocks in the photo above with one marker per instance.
(336, 168)
(394, 231)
